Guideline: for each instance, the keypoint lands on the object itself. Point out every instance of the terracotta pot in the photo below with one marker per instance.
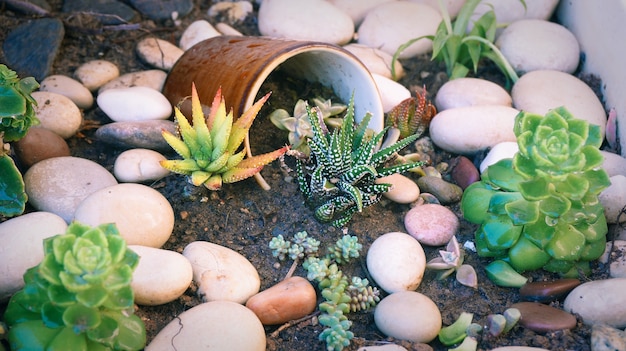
(240, 65)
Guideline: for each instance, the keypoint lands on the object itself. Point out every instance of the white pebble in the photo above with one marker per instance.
(375, 60)
(94, 74)
(532, 44)
(509, 11)
(196, 32)
(216, 325)
(404, 190)
(59, 184)
(500, 151)
(392, 24)
(153, 78)
(357, 9)
(453, 7)
(599, 302)
(143, 216)
(158, 53)
(57, 113)
(396, 262)
(134, 104)
(139, 165)
(22, 246)
(226, 29)
(221, 273)
(408, 315)
(431, 224)
(160, 277)
(315, 20)
(462, 92)
(467, 130)
(613, 164)
(613, 198)
(391, 93)
(70, 88)
(615, 255)
(541, 91)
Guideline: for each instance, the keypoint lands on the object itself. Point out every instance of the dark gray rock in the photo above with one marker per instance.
(162, 9)
(109, 12)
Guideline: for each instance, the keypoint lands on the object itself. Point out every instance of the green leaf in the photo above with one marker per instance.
(502, 175)
(32, 335)
(567, 244)
(593, 250)
(598, 180)
(67, 339)
(106, 332)
(51, 315)
(500, 232)
(81, 318)
(92, 297)
(539, 232)
(499, 200)
(132, 334)
(475, 202)
(535, 189)
(12, 194)
(482, 249)
(522, 211)
(526, 256)
(574, 186)
(502, 274)
(554, 206)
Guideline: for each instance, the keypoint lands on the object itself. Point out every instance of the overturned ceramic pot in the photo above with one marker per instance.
(240, 65)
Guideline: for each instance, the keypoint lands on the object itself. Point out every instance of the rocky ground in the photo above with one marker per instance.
(244, 218)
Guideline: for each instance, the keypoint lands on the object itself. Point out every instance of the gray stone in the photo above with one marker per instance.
(162, 9)
(109, 12)
(141, 134)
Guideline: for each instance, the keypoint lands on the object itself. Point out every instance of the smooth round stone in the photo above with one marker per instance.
(40, 144)
(22, 246)
(152, 78)
(71, 88)
(158, 53)
(134, 104)
(396, 262)
(140, 134)
(216, 325)
(392, 24)
(533, 44)
(599, 302)
(613, 164)
(357, 9)
(139, 165)
(431, 224)
(225, 29)
(543, 318)
(290, 299)
(150, 226)
(60, 184)
(500, 151)
(196, 32)
(605, 338)
(452, 6)
(462, 92)
(613, 199)
(615, 253)
(445, 192)
(403, 191)
(464, 173)
(96, 73)
(543, 90)
(391, 92)
(160, 277)
(376, 61)
(235, 11)
(467, 130)
(57, 113)
(315, 20)
(547, 291)
(408, 315)
(509, 11)
(221, 273)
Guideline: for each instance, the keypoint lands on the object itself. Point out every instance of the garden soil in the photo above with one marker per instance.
(244, 217)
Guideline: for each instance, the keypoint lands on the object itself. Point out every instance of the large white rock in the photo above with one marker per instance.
(68, 87)
(221, 273)
(143, 216)
(599, 302)
(462, 92)
(357, 9)
(391, 92)
(500, 151)
(396, 262)
(134, 104)
(613, 164)
(376, 61)
(216, 325)
(59, 184)
(158, 53)
(57, 113)
(408, 315)
(196, 32)
(315, 20)
(139, 165)
(392, 24)
(467, 130)
(543, 90)
(613, 198)
(22, 246)
(453, 7)
(152, 78)
(94, 74)
(160, 277)
(532, 44)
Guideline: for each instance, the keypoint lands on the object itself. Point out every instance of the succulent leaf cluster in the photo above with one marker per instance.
(540, 209)
(17, 113)
(412, 115)
(79, 297)
(451, 260)
(302, 245)
(211, 148)
(339, 178)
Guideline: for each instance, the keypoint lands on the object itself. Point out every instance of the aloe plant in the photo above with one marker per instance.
(540, 209)
(79, 297)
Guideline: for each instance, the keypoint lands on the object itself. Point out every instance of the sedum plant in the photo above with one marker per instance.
(211, 147)
(540, 209)
(79, 297)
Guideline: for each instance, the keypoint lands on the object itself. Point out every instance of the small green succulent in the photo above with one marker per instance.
(540, 209)
(338, 179)
(211, 147)
(79, 297)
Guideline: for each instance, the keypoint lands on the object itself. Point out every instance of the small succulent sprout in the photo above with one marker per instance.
(412, 115)
(346, 248)
(457, 331)
(496, 324)
(512, 316)
(211, 147)
(308, 244)
(280, 247)
(451, 260)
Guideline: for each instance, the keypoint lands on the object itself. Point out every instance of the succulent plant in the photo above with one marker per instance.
(412, 115)
(338, 179)
(540, 209)
(211, 147)
(79, 297)
(451, 260)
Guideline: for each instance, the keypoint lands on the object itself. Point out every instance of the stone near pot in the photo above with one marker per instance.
(396, 262)
(376, 61)
(134, 104)
(391, 92)
(96, 73)
(196, 32)
(158, 53)
(139, 134)
(152, 78)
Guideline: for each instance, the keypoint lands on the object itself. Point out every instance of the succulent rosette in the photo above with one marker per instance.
(79, 297)
(17, 112)
(540, 209)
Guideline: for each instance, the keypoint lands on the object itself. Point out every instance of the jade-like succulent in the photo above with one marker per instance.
(338, 179)
(79, 297)
(412, 115)
(540, 209)
(211, 147)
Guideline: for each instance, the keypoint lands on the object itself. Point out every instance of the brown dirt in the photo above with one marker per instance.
(244, 218)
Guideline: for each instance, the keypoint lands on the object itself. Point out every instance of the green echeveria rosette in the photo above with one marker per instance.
(540, 209)
(79, 297)
(16, 104)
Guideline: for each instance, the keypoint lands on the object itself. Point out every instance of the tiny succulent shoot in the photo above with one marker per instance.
(211, 148)
(451, 260)
(412, 115)
(79, 297)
